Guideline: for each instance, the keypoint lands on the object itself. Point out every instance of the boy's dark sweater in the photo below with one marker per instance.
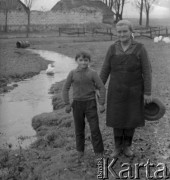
(84, 83)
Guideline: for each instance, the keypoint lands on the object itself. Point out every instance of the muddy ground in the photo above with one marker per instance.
(53, 155)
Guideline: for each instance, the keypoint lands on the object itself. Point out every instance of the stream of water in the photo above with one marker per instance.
(30, 98)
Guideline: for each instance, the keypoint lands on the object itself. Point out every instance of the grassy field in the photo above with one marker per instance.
(53, 156)
(17, 64)
(153, 22)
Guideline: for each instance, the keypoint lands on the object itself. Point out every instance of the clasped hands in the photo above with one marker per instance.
(68, 108)
(147, 100)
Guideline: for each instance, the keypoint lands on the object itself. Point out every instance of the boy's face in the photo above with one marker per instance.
(83, 62)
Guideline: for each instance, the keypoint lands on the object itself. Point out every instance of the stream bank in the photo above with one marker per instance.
(30, 98)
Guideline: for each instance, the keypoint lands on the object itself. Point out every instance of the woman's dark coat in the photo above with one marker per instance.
(130, 79)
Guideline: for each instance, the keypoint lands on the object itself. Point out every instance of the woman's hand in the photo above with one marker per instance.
(68, 108)
(101, 108)
(147, 99)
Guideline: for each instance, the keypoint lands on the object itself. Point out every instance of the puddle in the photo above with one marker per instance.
(29, 99)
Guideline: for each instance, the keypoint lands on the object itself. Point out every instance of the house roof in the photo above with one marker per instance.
(11, 5)
(73, 4)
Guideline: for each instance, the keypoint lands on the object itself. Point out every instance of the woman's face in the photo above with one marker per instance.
(123, 33)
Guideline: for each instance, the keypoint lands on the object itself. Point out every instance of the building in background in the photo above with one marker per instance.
(86, 6)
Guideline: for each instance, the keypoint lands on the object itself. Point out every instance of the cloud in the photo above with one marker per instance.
(160, 12)
(164, 3)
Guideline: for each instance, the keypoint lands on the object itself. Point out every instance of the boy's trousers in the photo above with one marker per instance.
(88, 109)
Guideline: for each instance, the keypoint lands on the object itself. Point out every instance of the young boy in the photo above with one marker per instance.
(84, 82)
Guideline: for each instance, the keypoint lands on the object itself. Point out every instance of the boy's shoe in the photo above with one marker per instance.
(128, 151)
(80, 156)
(98, 157)
(116, 152)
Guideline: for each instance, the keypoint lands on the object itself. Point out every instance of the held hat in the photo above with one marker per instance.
(154, 110)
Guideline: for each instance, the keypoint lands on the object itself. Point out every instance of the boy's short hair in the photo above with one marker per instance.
(125, 22)
(83, 54)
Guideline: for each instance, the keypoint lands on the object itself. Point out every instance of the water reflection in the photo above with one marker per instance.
(29, 99)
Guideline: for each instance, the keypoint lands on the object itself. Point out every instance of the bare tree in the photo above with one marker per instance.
(107, 2)
(27, 7)
(141, 12)
(110, 4)
(148, 6)
(7, 6)
(117, 6)
(139, 4)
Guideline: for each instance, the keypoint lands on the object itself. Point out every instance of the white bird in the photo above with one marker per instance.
(50, 70)
(160, 38)
(156, 39)
(166, 39)
(133, 36)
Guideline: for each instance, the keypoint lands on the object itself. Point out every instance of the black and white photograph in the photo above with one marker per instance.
(84, 89)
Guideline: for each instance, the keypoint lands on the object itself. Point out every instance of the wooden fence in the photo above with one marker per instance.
(87, 31)
(71, 31)
(150, 32)
(100, 33)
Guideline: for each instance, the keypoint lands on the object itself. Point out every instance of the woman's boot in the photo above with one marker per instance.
(118, 146)
(127, 147)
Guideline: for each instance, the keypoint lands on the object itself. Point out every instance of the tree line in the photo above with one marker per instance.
(8, 5)
(116, 6)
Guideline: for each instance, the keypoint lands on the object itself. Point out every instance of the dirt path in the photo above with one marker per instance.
(162, 90)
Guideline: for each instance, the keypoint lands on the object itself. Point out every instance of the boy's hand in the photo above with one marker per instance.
(68, 108)
(101, 108)
(97, 94)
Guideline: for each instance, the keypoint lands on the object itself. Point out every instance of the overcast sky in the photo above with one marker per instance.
(156, 12)
(162, 10)
(44, 5)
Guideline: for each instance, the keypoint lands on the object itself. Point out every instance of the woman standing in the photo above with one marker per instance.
(129, 87)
